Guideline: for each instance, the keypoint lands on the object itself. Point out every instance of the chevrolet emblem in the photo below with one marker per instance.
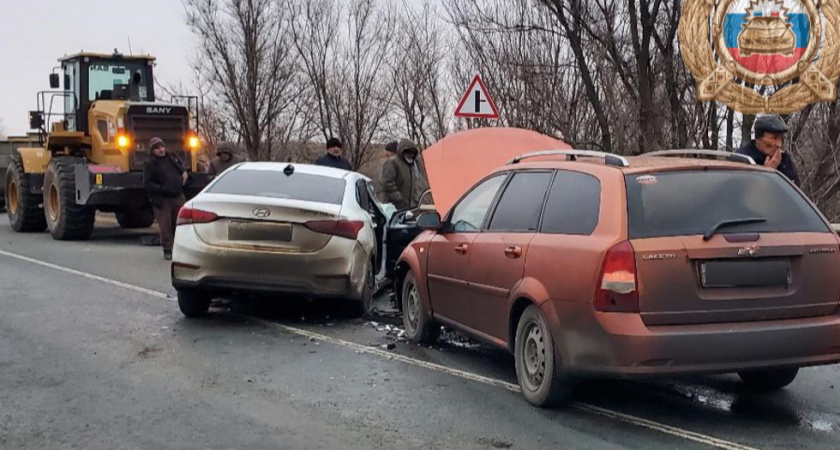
(750, 251)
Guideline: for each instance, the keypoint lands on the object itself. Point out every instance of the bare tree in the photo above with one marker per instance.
(347, 77)
(247, 60)
(421, 98)
(314, 26)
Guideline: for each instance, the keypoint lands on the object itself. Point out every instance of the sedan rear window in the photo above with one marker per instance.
(693, 202)
(269, 183)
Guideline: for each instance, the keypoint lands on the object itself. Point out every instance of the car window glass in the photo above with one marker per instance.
(270, 183)
(469, 214)
(692, 202)
(362, 196)
(521, 203)
(573, 205)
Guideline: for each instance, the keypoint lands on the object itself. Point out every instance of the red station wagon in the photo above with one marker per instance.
(587, 263)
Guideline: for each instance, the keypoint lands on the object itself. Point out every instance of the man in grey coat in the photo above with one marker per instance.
(401, 178)
(224, 159)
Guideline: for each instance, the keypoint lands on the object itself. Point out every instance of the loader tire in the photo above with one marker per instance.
(22, 206)
(66, 220)
(136, 218)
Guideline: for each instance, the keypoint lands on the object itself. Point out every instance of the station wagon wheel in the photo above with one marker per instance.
(541, 376)
(534, 356)
(418, 323)
(412, 310)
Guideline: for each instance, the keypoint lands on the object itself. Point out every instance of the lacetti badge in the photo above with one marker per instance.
(659, 257)
(779, 44)
(750, 251)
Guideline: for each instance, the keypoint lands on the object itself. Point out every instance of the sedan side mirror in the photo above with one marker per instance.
(429, 221)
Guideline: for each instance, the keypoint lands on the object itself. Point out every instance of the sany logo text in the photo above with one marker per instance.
(158, 110)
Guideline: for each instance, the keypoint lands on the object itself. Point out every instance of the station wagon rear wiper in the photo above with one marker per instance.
(729, 222)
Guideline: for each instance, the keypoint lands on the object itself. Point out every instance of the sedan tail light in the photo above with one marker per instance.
(344, 228)
(188, 216)
(617, 290)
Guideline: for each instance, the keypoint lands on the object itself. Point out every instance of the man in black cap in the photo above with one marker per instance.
(164, 177)
(766, 148)
(333, 157)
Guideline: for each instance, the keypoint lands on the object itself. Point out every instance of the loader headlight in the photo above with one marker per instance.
(123, 141)
(194, 143)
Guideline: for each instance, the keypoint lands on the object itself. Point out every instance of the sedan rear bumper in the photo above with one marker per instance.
(337, 270)
(619, 344)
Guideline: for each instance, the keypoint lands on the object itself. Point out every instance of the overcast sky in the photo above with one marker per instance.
(35, 33)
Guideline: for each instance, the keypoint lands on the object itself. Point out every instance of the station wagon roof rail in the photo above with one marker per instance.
(729, 156)
(609, 158)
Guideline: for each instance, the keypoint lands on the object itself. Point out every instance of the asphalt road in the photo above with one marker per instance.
(95, 354)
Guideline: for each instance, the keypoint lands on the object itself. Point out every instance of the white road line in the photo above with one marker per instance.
(627, 418)
(130, 287)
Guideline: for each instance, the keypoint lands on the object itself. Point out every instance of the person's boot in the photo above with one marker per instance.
(167, 255)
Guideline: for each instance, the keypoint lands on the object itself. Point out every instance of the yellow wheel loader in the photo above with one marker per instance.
(92, 157)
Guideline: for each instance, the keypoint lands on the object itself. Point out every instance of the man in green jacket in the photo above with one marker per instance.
(402, 179)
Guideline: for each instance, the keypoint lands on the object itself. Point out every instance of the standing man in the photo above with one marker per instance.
(766, 148)
(224, 159)
(333, 157)
(164, 177)
(401, 177)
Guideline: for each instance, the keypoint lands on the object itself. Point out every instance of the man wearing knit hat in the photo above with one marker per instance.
(224, 159)
(164, 177)
(333, 157)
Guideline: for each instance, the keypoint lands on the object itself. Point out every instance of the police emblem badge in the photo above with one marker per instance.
(789, 47)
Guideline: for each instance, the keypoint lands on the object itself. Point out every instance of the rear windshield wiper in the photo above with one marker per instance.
(730, 222)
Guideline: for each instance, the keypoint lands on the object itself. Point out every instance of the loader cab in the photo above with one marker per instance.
(89, 77)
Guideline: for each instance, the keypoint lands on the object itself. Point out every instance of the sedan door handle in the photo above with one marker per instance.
(513, 252)
(461, 249)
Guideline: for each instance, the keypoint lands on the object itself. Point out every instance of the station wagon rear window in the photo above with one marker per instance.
(692, 202)
(274, 184)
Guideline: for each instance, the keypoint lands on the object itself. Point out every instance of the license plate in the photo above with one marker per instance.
(751, 273)
(259, 231)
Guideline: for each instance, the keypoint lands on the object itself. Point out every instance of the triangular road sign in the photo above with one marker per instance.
(476, 102)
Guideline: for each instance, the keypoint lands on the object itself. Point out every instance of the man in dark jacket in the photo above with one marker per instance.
(224, 159)
(401, 177)
(164, 177)
(333, 157)
(766, 148)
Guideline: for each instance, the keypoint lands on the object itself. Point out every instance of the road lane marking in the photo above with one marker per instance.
(110, 281)
(627, 418)
(596, 410)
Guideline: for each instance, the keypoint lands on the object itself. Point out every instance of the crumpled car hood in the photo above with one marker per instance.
(455, 163)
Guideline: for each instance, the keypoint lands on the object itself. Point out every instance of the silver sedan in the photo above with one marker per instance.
(278, 228)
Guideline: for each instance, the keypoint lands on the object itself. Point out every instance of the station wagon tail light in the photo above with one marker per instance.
(617, 289)
(188, 216)
(344, 228)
